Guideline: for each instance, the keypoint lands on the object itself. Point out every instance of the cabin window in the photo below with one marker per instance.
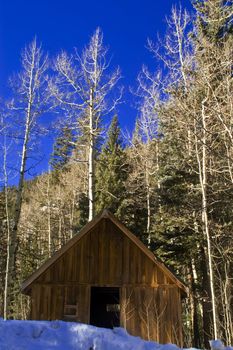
(70, 312)
(105, 307)
(113, 307)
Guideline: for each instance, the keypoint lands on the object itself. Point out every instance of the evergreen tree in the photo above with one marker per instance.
(194, 193)
(111, 172)
(62, 150)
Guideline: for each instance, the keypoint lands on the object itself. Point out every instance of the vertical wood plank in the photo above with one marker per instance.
(107, 257)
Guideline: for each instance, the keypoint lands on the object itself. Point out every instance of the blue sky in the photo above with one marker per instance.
(65, 24)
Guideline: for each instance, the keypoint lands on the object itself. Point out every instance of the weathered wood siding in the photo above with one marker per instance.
(153, 312)
(48, 301)
(106, 257)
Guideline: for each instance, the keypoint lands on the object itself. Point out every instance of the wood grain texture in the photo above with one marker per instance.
(150, 299)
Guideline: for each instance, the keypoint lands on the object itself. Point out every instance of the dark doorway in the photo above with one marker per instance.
(105, 307)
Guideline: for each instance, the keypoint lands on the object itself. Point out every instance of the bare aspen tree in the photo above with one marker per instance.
(82, 87)
(5, 146)
(213, 117)
(200, 106)
(48, 197)
(6, 194)
(202, 164)
(179, 61)
(30, 101)
(176, 58)
(176, 51)
(177, 55)
(224, 281)
(145, 143)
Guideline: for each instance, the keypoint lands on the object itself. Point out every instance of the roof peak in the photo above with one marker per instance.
(105, 214)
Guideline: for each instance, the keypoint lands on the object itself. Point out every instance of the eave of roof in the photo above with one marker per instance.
(25, 287)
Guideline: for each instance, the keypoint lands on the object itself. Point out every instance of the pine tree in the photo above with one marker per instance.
(62, 150)
(111, 172)
(195, 172)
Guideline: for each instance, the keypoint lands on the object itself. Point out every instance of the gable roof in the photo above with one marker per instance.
(106, 215)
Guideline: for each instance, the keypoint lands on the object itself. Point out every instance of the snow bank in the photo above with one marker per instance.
(58, 335)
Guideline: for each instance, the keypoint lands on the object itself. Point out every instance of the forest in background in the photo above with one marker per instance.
(170, 181)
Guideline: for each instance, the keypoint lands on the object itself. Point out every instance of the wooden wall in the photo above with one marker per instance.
(107, 257)
(153, 312)
(48, 301)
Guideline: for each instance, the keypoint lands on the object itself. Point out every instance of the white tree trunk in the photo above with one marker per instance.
(49, 214)
(148, 226)
(205, 219)
(5, 306)
(91, 160)
(18, 205)
(202, 164)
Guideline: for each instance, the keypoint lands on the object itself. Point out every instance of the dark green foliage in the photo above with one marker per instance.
(175, 239)
(83, 210)
(111, 172)
(134, 212)
(62, 150)
(171, 163)
(2, 248)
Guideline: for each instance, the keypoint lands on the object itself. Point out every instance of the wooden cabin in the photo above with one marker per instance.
(105, 276)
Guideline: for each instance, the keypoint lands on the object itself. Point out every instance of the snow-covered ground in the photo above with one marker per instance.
(58, 335)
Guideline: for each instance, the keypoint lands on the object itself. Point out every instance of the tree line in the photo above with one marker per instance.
(169, 180)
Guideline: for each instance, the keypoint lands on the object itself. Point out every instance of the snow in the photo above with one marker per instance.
(59, 335)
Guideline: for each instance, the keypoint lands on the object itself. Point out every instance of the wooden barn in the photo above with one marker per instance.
(105, 276)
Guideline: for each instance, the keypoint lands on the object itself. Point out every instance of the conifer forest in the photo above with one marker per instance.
(169, 179)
